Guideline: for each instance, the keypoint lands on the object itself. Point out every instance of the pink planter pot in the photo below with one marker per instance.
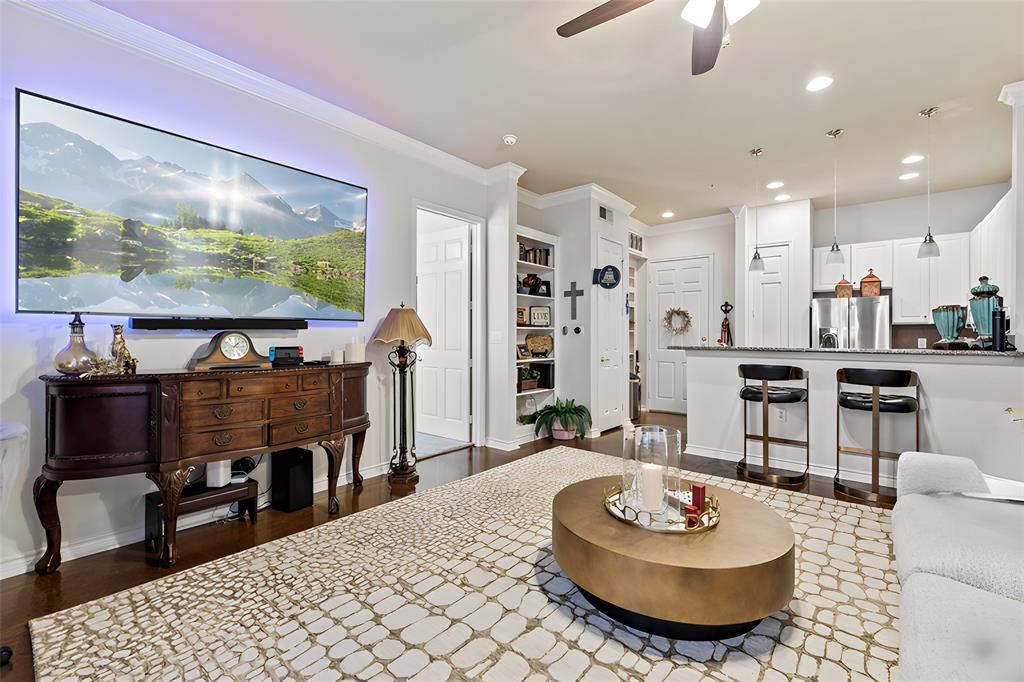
(559, 433)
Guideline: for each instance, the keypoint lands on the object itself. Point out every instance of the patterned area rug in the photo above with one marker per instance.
(458, 582)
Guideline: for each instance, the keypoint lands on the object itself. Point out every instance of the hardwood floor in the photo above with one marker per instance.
(29, 596)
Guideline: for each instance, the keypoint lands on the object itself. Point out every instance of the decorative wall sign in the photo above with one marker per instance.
(607, 277)
(685, 321)
(572, 294)
(540, 316)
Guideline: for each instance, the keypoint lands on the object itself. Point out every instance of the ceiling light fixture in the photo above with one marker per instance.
(912, 158)
(909, 176)
(818, 83)
(775, 184)
(756, 263)
(668, 214)
(928, 248)
(782, 197)
(835, 255)
(509, 139)
(700, 12)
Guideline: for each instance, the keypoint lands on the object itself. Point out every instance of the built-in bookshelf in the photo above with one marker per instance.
(535, 313)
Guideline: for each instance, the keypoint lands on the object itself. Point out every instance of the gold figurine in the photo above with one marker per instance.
(124, 362)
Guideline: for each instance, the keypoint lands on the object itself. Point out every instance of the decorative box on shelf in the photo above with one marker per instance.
(653, 494)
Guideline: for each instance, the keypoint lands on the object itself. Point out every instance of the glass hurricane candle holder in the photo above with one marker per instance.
(651, 470)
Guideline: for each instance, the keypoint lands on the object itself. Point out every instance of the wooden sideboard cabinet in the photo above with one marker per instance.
(164, 424)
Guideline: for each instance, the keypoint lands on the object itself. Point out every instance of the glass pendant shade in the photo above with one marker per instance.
(835, 255)
(757, 263)
(929, 248)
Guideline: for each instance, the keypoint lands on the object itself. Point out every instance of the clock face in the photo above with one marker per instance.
(234, 346)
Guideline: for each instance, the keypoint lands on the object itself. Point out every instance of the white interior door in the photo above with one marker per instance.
(443, 303)
(611, 327)
(677, 283)
(769, 299)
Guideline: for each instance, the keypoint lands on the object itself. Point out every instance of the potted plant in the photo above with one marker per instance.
(565, 419)
(528, 378)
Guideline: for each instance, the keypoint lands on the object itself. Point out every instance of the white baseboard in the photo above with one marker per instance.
(794, 464)
(77, 548)
(505, 445)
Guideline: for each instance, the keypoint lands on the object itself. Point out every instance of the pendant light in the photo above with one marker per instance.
(928, 248)
(835, 256)
(756, 263)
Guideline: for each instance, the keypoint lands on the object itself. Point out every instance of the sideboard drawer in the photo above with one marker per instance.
(311, 382)
(300, 405)
(308, 429)
(262, 386)
(225, 440)
(200, 390)
(199, 416)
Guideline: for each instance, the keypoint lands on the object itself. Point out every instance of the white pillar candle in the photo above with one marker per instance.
(651, 487)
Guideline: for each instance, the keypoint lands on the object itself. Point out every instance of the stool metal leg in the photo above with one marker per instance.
(765, 476)
(764, 427)
(876, 411)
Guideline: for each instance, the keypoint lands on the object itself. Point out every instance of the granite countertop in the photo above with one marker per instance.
(873, 351)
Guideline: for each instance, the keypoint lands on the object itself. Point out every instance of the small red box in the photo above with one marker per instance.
(699, 499)
(691, 513)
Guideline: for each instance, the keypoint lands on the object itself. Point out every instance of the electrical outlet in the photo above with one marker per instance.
(922, 343)
(780, 415)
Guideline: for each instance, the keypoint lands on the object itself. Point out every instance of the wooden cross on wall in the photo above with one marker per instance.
(573, 293)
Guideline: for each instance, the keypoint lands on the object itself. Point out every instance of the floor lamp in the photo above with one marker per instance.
(404, 327)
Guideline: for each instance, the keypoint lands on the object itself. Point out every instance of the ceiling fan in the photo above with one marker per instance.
(709, 19)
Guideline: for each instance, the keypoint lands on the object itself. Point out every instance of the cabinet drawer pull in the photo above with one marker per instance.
(287, 386)
(223, 412)
(315, 382)
(222, 439)
(300, 403)
(301, 428)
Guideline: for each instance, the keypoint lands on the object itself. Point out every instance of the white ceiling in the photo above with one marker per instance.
(617, 105)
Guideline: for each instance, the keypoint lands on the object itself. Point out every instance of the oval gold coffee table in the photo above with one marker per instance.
(712, 585)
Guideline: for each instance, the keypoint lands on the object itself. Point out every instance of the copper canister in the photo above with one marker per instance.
(870, 284)
(844, 289)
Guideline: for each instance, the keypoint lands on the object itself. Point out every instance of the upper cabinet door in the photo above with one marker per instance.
(825, 276)
(949, 280)
(875, 256)
(910, 283)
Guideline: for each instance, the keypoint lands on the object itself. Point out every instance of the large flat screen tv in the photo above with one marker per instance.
(120, 218)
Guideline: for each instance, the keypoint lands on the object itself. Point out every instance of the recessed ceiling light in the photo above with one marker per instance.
(913, 158)
(909, 176)
(668, 214)
(509, 139)
(782, 197)
(775, 184)
(818, 83)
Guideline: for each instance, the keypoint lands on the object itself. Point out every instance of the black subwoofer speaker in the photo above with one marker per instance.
(291, 479)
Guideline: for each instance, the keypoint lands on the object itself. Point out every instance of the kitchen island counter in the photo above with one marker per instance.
(964, 400)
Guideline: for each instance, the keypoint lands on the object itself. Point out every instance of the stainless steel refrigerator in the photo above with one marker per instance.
(859, 323)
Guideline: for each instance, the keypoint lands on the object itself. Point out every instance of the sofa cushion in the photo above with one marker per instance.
(976, 542)
(926, 472)
(951, 631)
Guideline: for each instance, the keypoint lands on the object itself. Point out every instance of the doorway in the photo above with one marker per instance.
(675, 283)
(444, 301)
(611, 329)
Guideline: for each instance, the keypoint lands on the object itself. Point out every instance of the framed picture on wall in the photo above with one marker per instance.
(521, 317)
(540, 316)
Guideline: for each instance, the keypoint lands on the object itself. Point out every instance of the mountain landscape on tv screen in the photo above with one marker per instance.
(143, 235)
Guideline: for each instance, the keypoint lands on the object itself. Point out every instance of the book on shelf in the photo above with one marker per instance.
(536, 255)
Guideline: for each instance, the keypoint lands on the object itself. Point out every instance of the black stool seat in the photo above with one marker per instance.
(899, 404)
(776, 394)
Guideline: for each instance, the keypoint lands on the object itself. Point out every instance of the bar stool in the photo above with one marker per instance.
(876, 403)
(768, 395)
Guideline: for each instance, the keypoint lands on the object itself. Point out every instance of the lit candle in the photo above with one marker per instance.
(651, 487)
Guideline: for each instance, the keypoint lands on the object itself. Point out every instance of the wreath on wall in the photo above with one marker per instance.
(670, 320)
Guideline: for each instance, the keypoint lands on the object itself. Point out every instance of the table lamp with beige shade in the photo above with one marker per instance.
(402, 326)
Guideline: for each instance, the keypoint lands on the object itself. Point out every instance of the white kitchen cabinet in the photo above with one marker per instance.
(910, 283)
(992, 248)
(825, 276)
(875, 256)
(949, 275)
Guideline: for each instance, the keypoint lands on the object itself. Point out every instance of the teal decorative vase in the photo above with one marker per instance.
(949, 320)
(985, 299)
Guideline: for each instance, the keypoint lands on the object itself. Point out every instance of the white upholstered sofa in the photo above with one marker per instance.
(960, 562)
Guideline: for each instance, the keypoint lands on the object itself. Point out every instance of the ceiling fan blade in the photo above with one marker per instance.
(707, 42)
(599, 15)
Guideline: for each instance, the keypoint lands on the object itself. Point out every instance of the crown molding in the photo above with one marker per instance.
(531, 199)
(504, 171)
(1012, 94)
(718, 220)
(145, 40)
(589, 191)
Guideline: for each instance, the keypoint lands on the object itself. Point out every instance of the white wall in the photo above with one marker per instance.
(51, 58)
(955, 211)
(712, 235)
